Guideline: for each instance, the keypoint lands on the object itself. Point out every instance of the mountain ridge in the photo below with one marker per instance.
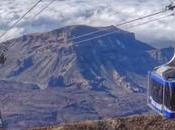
(57, 42)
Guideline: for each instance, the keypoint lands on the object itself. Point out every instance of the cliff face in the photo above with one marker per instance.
(49, 79)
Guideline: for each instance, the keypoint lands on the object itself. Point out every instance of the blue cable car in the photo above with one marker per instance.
(161, 91)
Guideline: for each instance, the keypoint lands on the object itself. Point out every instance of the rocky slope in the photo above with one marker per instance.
(130, 123)
(52, 60)
(49, 79)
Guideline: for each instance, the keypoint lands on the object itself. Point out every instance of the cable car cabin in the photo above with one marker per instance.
(161, 91)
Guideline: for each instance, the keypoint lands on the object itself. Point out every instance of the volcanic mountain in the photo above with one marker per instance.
(59, 59)
(66, 75)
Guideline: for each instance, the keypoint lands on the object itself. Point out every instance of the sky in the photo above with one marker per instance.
(89, 12)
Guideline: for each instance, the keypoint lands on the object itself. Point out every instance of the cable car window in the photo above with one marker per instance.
(156, 91)
(170, 97)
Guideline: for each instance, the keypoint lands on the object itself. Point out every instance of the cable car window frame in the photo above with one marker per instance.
(169, 96)
(156, 96)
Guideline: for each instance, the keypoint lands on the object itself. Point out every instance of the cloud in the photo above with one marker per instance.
(89, 12)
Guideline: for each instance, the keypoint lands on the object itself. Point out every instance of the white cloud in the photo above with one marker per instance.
(90, 12)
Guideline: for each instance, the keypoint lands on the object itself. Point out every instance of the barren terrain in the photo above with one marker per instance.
(153, 122)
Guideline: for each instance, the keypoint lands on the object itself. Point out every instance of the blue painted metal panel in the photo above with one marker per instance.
(161, 80)
(163, 112)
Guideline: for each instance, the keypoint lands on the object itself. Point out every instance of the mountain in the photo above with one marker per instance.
(52, 60)
(50, 79)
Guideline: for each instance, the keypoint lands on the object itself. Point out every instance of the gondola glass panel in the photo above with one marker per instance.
(157, 91)
(170, 97)
(155, 94)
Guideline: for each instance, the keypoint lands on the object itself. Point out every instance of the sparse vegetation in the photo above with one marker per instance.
(131, 123)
